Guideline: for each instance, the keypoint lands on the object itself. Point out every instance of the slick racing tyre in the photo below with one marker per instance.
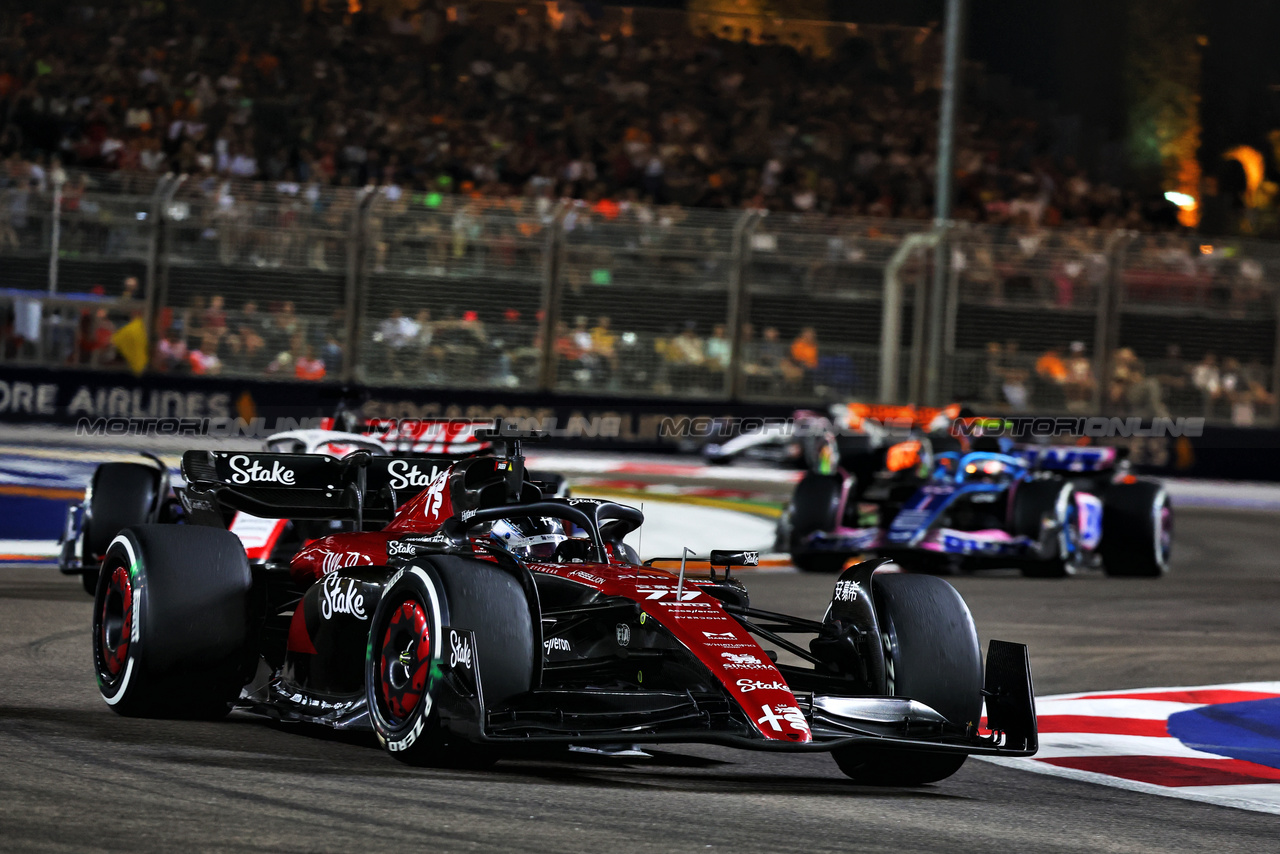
(1032, 502)
(171, 622)
(931, 655)
(404, 666)
(1137, 530)
(814, 506)
(120, 495)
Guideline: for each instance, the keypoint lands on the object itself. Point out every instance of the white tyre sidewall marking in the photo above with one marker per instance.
(406, 741)
(1162, 559)
(135, 629)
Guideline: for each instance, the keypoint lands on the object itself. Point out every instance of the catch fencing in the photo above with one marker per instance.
(395, 287)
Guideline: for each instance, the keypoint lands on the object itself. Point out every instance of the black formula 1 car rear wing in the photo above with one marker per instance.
(306, 486)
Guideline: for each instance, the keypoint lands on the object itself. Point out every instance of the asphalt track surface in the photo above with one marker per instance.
(74, 776)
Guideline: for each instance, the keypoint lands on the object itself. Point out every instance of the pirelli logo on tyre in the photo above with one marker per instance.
(411, 736)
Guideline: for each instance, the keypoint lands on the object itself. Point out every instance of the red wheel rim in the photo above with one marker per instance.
(117, 621)
(405, 661)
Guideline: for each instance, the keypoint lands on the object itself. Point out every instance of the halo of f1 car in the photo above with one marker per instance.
(475, 616)
(936, 503)
(121, 494)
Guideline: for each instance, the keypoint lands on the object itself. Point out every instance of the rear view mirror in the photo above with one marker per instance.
(722, 557)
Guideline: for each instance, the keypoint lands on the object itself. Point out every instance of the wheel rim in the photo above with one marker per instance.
(405, 661)
(1164, 533)
(116, 629)
(1069, 533)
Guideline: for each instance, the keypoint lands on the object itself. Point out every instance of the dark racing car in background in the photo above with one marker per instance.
(475, 616)
(1047, 510)
(133, 493)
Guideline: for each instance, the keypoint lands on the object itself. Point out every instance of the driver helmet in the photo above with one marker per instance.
(535, 538)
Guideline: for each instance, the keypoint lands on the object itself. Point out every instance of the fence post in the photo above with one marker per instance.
(947, 371)
(739, 299)
(55, 237)
(155, 288)
(158, 257)
(552, 293)
(354, 296)
(891, 314)
(1106, 333)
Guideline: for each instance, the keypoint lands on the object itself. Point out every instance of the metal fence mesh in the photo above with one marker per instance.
(454, 287)
(644, 300)
(427, 289)
(1022, 331)
(1197, 329)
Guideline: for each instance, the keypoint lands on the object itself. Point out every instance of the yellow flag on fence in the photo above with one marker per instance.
(131, 341)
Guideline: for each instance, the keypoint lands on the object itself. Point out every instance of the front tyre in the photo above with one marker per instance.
(931, 655)
(1137, 530)
(404, 667)
(1037, 500)
(171, 622)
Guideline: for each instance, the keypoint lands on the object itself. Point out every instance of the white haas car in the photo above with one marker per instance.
(135, 493)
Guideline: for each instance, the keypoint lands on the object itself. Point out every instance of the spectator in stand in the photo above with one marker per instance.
(213, 321)
(171, 354)
(605, 346)
(1208, 380)
(569, 356)
(1132, 389)
(1236, 395)
(1079, 384)
(1015, 375)
(308, 367)
(1050, 378)
(396, 334)
(803, 363)
(765, 362)
(685, 360)
(718, 351)
(592, 109)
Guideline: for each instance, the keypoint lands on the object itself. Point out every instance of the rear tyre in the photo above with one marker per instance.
(1033, 501)
(931, 655)
(120, 495)
(405, 664)
(814, 507)
(171, 622)
(1137, 530)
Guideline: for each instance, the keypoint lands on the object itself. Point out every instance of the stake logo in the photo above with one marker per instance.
(405, 474)
(242, 471)
(342, 596)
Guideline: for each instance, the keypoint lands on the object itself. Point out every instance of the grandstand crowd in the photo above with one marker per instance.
(478, 122)
(499, 100)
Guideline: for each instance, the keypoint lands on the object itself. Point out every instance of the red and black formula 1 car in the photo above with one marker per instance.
(476, 616)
